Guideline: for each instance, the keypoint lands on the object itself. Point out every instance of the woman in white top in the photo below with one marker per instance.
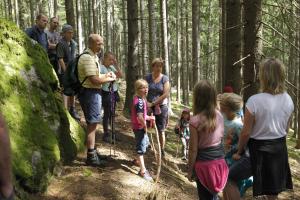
(266, 124)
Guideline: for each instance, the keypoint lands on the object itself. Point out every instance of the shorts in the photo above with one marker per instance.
(142, 141)
(162, 118)
(240, 170)
(91, 103)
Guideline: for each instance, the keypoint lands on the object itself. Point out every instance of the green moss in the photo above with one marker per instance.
(36, 120)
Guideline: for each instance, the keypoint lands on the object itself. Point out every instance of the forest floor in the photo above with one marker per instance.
(119, 179)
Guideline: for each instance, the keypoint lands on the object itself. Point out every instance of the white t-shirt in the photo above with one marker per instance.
(271, 113)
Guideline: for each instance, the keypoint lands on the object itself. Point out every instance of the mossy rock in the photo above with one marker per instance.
(42, 133)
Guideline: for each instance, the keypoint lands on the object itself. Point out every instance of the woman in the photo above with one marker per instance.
(159, 88)
(266, 123)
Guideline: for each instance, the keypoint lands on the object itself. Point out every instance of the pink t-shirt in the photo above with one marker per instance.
(138, 106)
(208, 139)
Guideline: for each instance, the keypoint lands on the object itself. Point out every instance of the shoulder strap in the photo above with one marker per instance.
(85, 52)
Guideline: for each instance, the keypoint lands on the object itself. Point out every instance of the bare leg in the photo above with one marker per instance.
(231, 191)
(142, 163)
(6, 187)
(162, 140)
(91, 133)
(66, 99)
(272, 197)
(71, 101)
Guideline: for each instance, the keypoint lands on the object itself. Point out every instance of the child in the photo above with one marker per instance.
(182, 129)
(206, 154)
(230, 104)
(138, 120)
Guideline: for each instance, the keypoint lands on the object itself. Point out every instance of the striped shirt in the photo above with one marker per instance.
(88, 65)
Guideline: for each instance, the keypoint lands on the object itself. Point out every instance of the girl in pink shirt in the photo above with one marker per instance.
(138, 121)
(206, 154)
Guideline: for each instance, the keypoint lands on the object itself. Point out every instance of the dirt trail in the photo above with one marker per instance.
(119, 179)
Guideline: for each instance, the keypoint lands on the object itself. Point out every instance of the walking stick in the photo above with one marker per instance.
(112, 118)
(151, 137)
(159, 154)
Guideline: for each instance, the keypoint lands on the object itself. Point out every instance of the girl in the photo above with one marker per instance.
(182, 129)
(206, 154)
(138, 120)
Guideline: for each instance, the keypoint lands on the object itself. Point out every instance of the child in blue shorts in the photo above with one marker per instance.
(139, 125)
(230, 105)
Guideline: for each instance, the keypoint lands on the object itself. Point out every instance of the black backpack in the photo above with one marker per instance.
(71, 82)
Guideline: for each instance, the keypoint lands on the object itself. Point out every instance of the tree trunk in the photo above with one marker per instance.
(152, 31)
(132, 72)
(233, 45)
(165, 36)
(178, 54)
(55, 8)
(79, 26)
(143, 42)
(70, 14)
(107, 27)
(100, 24)
(95, 19)
(90, 13)
(22, 13)
(10, 9)
(196, 41)
(32, 13)
(186, 80)
(124, 35)
(183, 57)
(16, 9)
(252, 18)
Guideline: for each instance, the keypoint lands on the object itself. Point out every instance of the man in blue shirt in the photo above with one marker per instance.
(36, 32)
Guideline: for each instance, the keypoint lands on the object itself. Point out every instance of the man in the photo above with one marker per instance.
(109, 65)
(6, 187)
(90, 96)
(65, 51)
(53, 38)
(36, 32)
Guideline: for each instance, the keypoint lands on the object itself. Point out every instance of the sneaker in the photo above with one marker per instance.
(74, 114)
(146, 176)
(93, 160)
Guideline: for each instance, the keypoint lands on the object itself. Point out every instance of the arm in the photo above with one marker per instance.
(103, 78)
(51, 45)
(62, 64)
(6, 187)
(245, 134)
(119, 72)
(165, 94)
(141, 120)
(193, 150)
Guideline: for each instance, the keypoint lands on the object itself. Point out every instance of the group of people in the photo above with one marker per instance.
(227, 152)
(223, 147)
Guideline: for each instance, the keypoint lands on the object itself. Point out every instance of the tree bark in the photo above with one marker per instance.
(252, 46)
(79, 26)
(196, 41)
(143, 42)
(132, 72)
(178, 54)
(152, 31)
(233, 45)
(70, 14)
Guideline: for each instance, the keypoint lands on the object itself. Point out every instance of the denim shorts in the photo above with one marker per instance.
(91, 103)
(240, 169)
(142, 141)
(162, 119)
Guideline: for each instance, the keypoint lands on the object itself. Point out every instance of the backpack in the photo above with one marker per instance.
(71, 82)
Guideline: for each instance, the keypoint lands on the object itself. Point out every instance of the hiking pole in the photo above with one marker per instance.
(112, 117)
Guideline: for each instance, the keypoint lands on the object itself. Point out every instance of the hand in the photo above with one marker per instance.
(236, 156)
(111, 75)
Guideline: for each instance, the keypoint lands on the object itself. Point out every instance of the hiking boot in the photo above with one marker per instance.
(146, 176)
(93, 160)
(106, 138)
(74, 114)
